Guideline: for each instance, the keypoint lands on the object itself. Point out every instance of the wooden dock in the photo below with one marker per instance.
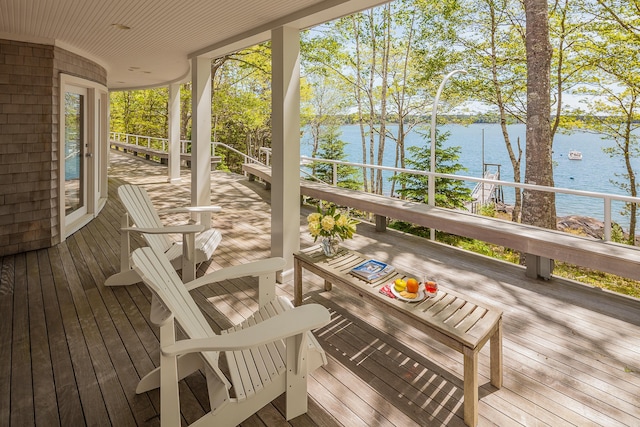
(72, 350)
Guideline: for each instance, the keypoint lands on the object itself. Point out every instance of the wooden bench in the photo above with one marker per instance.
(540, 246)
(153, 153)
(136, 150)
(256, 170)
(450, 318)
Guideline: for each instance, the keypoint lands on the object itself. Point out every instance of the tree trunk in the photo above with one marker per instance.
(358, 94)
(538, 207)
(372, 105)
(631, 175)
(515, 158)
(384, 76)
(185, 116)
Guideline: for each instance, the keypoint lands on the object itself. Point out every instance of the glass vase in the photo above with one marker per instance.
(330, 246)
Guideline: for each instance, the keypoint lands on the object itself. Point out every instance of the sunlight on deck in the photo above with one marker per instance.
(73, 350)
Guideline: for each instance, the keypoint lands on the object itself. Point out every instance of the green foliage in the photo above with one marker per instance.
(407, 227)
(489, 250)
(241, 106)
(595, 278)
(617, 234)
(322, 107)
(488, 210)
(494, 56)
(611, 90)
(241, 99)
(450, 193)
(332, 147)
(384, 65)
(390, 60)
(140, 112)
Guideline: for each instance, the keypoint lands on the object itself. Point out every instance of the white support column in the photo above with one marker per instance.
(201, 135)
(285, 160)
(174, 133)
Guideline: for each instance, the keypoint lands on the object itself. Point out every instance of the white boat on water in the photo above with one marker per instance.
(575, 155)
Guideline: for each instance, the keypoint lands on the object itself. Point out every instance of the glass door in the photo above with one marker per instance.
(83, 152)
(75, 154)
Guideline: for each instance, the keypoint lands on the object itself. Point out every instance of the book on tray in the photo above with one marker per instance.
(372, 269)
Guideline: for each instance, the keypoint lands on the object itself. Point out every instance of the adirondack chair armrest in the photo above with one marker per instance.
(290, 323)
(189, 209)
(178, 229)
(252, 269)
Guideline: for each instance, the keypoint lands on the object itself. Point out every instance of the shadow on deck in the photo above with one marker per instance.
(72, 351)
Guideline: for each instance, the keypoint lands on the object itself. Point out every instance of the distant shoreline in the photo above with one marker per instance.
(475, 118)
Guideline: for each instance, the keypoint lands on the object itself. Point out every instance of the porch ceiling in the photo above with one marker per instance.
(163, 34)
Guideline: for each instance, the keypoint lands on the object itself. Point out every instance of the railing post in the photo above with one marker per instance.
(335, 174)
(266, 152)
(607, 218)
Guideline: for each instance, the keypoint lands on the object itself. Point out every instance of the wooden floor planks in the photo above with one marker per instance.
(72, 350)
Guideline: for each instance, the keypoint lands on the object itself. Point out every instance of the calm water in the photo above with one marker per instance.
(593, 173)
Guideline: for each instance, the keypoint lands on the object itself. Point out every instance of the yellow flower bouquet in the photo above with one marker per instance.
(331, 225)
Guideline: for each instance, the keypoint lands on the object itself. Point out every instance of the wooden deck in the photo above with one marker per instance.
(72, 351)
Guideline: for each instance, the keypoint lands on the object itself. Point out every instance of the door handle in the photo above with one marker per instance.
(89, 155)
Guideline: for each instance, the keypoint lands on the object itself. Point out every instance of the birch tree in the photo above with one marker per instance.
(612, 89)
(392, 58)
(494, 46)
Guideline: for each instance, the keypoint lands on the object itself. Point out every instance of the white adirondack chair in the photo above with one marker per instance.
(197, 245)
(268, 354)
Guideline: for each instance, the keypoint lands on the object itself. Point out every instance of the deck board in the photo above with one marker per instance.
(73, 350)
(6, 320)
(22, 400)
(67, 392)
(43, 386)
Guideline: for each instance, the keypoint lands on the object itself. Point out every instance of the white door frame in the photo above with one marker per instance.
(94, 155)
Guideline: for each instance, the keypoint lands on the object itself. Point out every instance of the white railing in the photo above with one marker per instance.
(140, 140)
(246, 157)
(607, 199)
(163, 144)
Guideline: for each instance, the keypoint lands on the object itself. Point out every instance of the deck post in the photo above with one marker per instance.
(285, 159)
(538, 267)
(201, 135)
(174, 133)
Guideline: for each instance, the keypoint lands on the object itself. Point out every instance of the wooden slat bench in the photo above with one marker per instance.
(148, 153)
(153, 153)
(448, 317)
(540, 245)
(256, 170)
